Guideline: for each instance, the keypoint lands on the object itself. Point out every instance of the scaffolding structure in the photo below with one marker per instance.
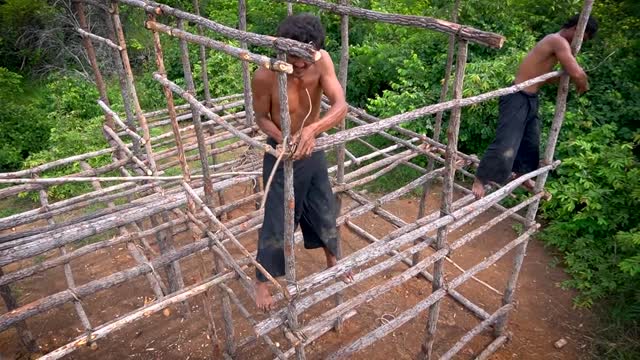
(214, 147)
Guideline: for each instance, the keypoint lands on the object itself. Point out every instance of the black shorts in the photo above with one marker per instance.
(315, 210)
(516, 147)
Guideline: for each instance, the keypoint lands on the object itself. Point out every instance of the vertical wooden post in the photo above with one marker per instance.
(132, 88)
(246, 80)
(91, 54)
(186, 175)
(447, 196)
(207, 95)
(126, 101)
(438, 122)
(208, 184)
(165, 239)
(558, 118)
(289, 9)
(340, 151)
(289, 205)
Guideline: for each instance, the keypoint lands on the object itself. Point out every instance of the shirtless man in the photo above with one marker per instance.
(516, 147)
(315, 206)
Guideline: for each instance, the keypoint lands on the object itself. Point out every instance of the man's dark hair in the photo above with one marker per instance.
(591, 29)
(305, 28)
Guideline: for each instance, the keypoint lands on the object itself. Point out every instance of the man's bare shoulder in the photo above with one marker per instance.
(325, 61)
(553, 42)
(263, 76)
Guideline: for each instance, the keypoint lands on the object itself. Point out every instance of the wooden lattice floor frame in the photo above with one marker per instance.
(214, 146)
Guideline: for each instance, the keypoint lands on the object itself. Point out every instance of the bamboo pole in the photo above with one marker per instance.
(305, 51)
(447, 197)
(463, 32)
(561, 103)
(438, 121)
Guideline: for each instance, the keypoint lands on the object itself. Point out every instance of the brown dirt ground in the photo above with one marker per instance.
(543, 313)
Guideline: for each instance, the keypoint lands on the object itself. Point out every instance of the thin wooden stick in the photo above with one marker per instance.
(493, 347)
(116, 118)
(99, 39)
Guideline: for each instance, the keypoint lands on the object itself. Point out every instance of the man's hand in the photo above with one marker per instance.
(582, 87)
(305, 142)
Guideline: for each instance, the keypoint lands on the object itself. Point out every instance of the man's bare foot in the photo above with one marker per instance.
(264, 301)
(478, 189)
(530, 186)
(347, 277)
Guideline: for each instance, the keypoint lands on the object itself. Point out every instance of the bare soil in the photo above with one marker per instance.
(543, 312)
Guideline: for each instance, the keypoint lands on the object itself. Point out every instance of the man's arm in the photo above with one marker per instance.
(562, 50)
(261, 88)
(333, 90)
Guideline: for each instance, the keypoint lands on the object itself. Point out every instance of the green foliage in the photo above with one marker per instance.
(23, 127)
(594, 217)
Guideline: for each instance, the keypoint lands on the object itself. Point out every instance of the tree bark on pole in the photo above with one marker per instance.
(289, 205)
(447, 197)
(556, 125)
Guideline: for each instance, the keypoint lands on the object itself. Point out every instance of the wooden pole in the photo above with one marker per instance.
(305, 51)
(340, 153)
(289, 205)
(91, 54)
(438, 121)
(360, 131)
(447, 196)
(239, 53)
(463, 32)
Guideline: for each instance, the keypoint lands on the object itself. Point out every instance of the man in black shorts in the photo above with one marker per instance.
(314, 206)
(516, 147)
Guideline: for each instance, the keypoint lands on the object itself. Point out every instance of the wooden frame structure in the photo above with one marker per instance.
(144, 209)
